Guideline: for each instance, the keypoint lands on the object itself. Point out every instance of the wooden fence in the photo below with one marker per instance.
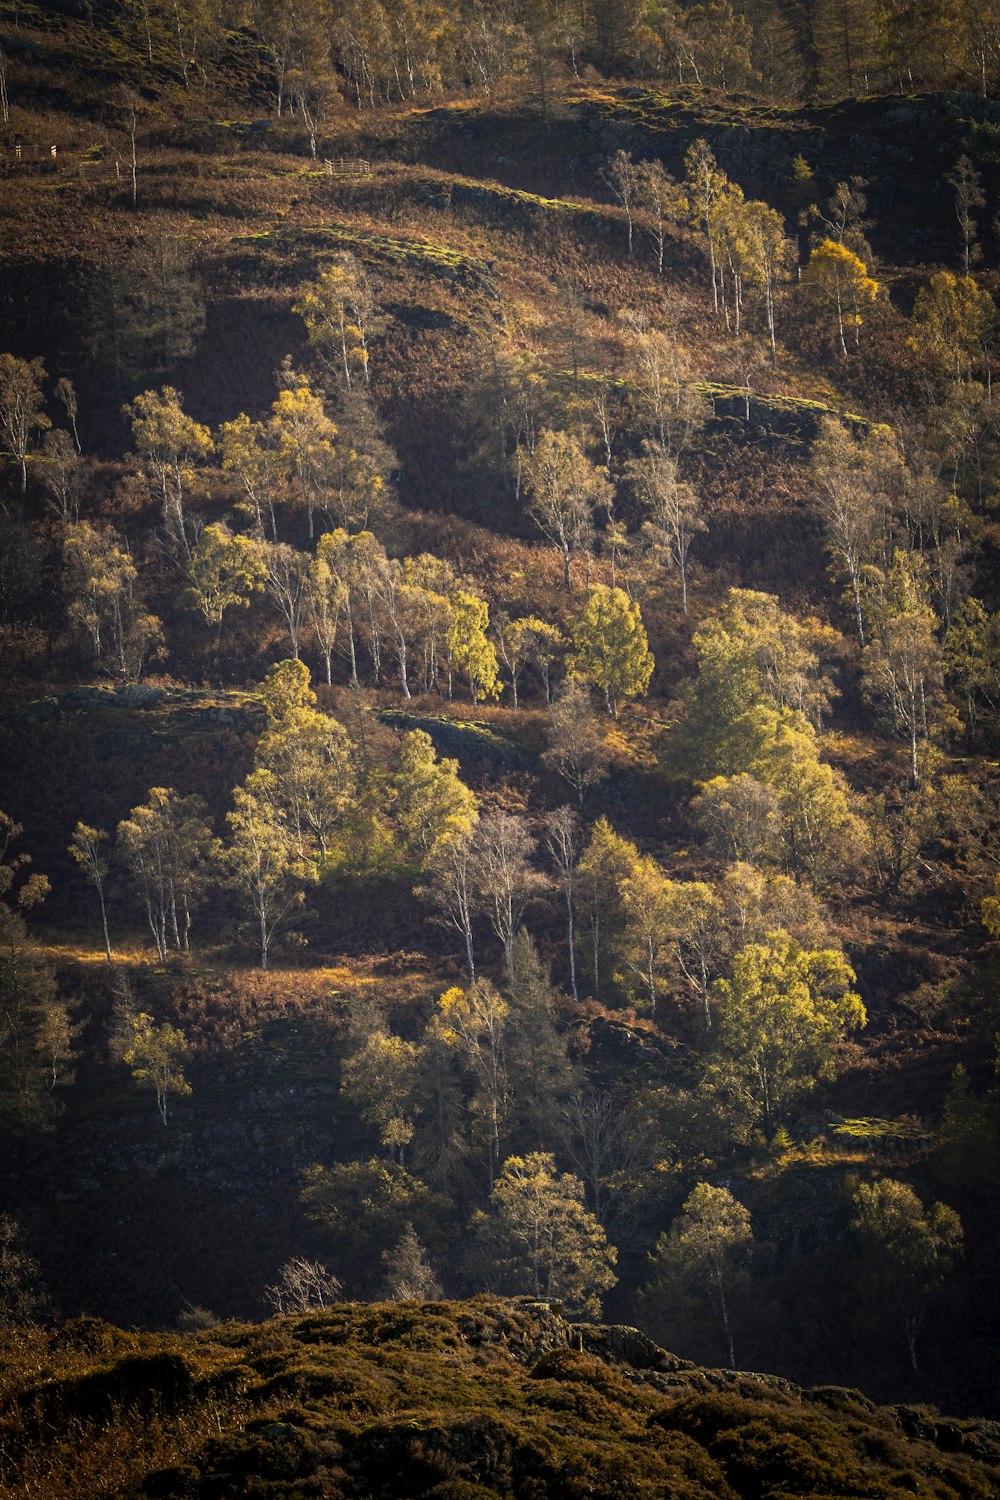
(346, 166)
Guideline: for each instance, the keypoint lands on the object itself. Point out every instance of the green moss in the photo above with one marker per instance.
(875, 1130)
(428, 256)
(466, 739)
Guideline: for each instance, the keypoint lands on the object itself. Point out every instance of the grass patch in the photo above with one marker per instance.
(428, 256)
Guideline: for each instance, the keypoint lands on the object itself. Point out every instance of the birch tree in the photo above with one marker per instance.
(164, 845)
(567, 490)
(167, 443)
(86, 849)
(261, 859)
(21, 411)
(705, 1253)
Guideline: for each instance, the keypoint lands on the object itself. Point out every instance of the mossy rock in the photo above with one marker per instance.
(466, 740)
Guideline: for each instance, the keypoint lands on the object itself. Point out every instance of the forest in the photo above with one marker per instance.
(499, 790)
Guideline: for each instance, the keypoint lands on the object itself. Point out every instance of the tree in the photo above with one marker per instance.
(956, 324)
(129, 104)
(490, 45)
(164, 844)
(752, 904)
(432, 805)
(358, 486)
(21, 562)
(36, 1035)
(908, 1249)
(311, 758)
(604, 866)
(302, 1286)
(610, 649)
(661, 199)
(643, 901)
(900, 828)
(751, 654)
(613, 27)
(194, 28)
(471, 651)
(22, 1303)
(856, 478)
(607, 1143)
(903, 666)
(720, 43)
(105, 605)
(21, 411)
(972, 658)
(312, 92)
(539, 1068)
(514, 643)
(285, 574)
(504, 879)
(325, 600)
(969, 196)
(622, 176)
(528, 640)
(577, 747)
(766, 256)
(819, 831)
(758, 678)
(338, 310)
(566, 489)
(62, 472)
(779, 1019)
(837, 280)
(982, 32)
(675, 412)
(168, 441)
(991, 910)
(163, 305)
(691, 916)
(354, 562)
(409, 1276)
(246, 450)
(154, 1054)
(672, 506)
(85, 847)
(304, 438)
(843, 220)
(262, 861)
(705, 184)
(285, 689)
(312, 761)
(224, 571)
(845, 38)
(360, 1207)
(474, 1023)
(740, 816)
(540, 1238)
(706, 1252)
(450, 875)
(401, 605)
(294, 36)
(380, 1078)
(18, 885)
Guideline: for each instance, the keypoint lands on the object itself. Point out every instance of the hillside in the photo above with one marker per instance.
(500, 733)
(452, 1400)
